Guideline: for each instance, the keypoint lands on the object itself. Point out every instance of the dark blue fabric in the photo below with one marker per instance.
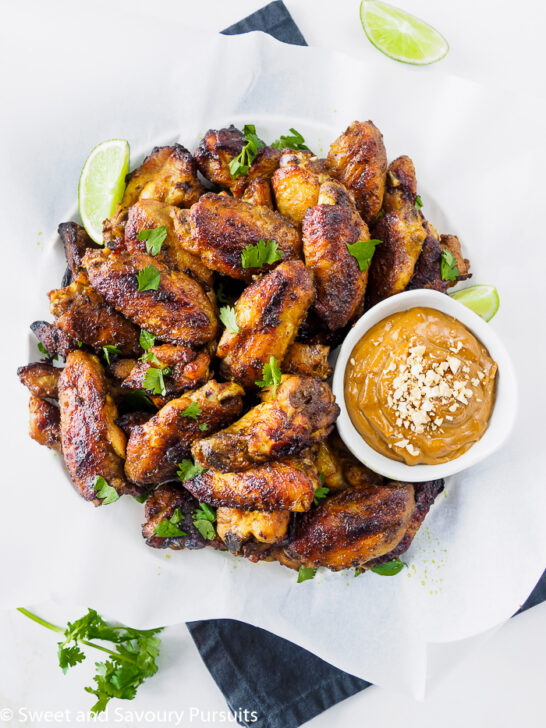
(279, 684)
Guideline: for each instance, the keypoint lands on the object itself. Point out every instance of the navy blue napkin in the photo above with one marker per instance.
(267, 681)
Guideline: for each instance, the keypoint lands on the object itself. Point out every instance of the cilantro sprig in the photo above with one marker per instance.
(148, 278)
(448, 266)
(294, 140)
(203, 519)
(154, 380)
(320, 493)
(228, 316)
(168, 527)
(105, 492)
(271, 374)
(264, 252)
(363, 251)
(192, 410)
(154, 239)
(146, 339)
(187, 470)
(109, 349)
(241, 163)
(131, 657)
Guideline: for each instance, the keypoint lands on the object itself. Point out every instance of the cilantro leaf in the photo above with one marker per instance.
(418, 202)
(358, 572)
(203, 427)
(45, 352)
(150, 356)
(205, 512)
(448, 266)
(146, 339)
(148, 278)
(109, 349)
(188, 470)
(363, 251)
(154, 238)
(192, 410)
(69, 656)
(241, 164)
(105, 492)
(79, 343)
(168, 527)
(271, 375)
(320, 493)
(305, 573)
(154, 381)
(228, 317)
(390, 568)
(291, 141)
(203, 518)
(263, 253)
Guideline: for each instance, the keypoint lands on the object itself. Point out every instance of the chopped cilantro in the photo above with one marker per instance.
(290, 141)
(203, 518)
(154, 238)
(146, 339)
(109, 349)
(390, 568)
(320, 493)
(148, 278)
(271, 375)
(188, 470)
(418, 202)
(228, 317)
(192, 410)
(305, 573)
(363, 251)
(263, 253)
(241, 164)
(154, 381)
(168, 527)
(105, 492)
(448, 266)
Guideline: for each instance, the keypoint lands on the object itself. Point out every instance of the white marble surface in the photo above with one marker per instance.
(499, 682)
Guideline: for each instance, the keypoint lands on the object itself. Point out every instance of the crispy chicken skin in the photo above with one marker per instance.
(150, 214)
(353, 526)
(44, 423)
(92, 443)
(161, 505)
(178, 312)
(75, 241)
(309, 360)
(237, 527)
(55, 341)
(219, 147)
(269, 313)
(358, 159)
(156, 447)
(40, 378)
(401, 185)
(188, 368)
(222, 227)
(83, 314)
(302, 412)
(258, 192)
(327, 230)
(296, 188)
(282, 485)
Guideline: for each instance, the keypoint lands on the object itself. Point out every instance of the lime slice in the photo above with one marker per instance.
(483, 300)
(102, 183)
(400, 35)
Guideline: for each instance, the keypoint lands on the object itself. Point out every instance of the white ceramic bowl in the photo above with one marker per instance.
(504, 410)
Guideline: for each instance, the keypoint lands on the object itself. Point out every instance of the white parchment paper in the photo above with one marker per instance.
(480, 161)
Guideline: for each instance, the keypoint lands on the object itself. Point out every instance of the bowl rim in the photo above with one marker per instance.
(504, 410)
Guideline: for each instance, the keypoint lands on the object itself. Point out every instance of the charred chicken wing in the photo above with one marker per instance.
(44, 423)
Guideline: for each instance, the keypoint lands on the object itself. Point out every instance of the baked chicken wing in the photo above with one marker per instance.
(54, 341)
(44, 423)
(178, 312)
(75, 242)
(187, 368)
(40, 378)
(269, 313)
(302, 412)
(155, 448)
(242, 530)
(309, 360)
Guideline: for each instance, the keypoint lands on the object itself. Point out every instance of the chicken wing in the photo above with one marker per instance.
(54, 341)
(401, 184)
(44, 423)
(40, 378)
(302, 412)
(161, 506)
(309, 360)
(240, 529)
(327, 230)
(83, 314)
(150, 214)
(354, 472)
(188, 368)
(75, 241)
(282, 485)
(296, 188)
(93, 445)
(353, 526)
(358, 159)
(258, 192)
(156, 447)
(269, 313)
(222, 227)
(178, 312)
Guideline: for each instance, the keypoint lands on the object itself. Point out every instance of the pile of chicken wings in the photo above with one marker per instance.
(261, 454)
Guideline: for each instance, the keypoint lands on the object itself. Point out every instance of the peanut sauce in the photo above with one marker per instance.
(419, 387)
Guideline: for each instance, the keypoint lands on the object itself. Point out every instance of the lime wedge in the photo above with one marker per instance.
(401, 36)
(483, 300)
(102, 183)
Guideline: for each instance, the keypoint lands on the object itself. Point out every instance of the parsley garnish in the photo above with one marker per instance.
(188, 470)
(390, 568)
(109, 349)
(271, 375)
(418, 202)
(105, 492)
(148, 278)
(154, 238)
(241, 164)
(263, 253)
(146, 339)
(305, 573)
(168, 527)
(203, 518)
(448, 266)
(192, 410)
(320, 493)
(228, 317)
(292, 141)
(154, 382)
(132, 660)
(363, 251)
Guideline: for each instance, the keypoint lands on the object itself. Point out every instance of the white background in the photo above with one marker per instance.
(500, 683)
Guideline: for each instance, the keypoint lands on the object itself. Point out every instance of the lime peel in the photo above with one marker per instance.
(483, 300)
(400, 35)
